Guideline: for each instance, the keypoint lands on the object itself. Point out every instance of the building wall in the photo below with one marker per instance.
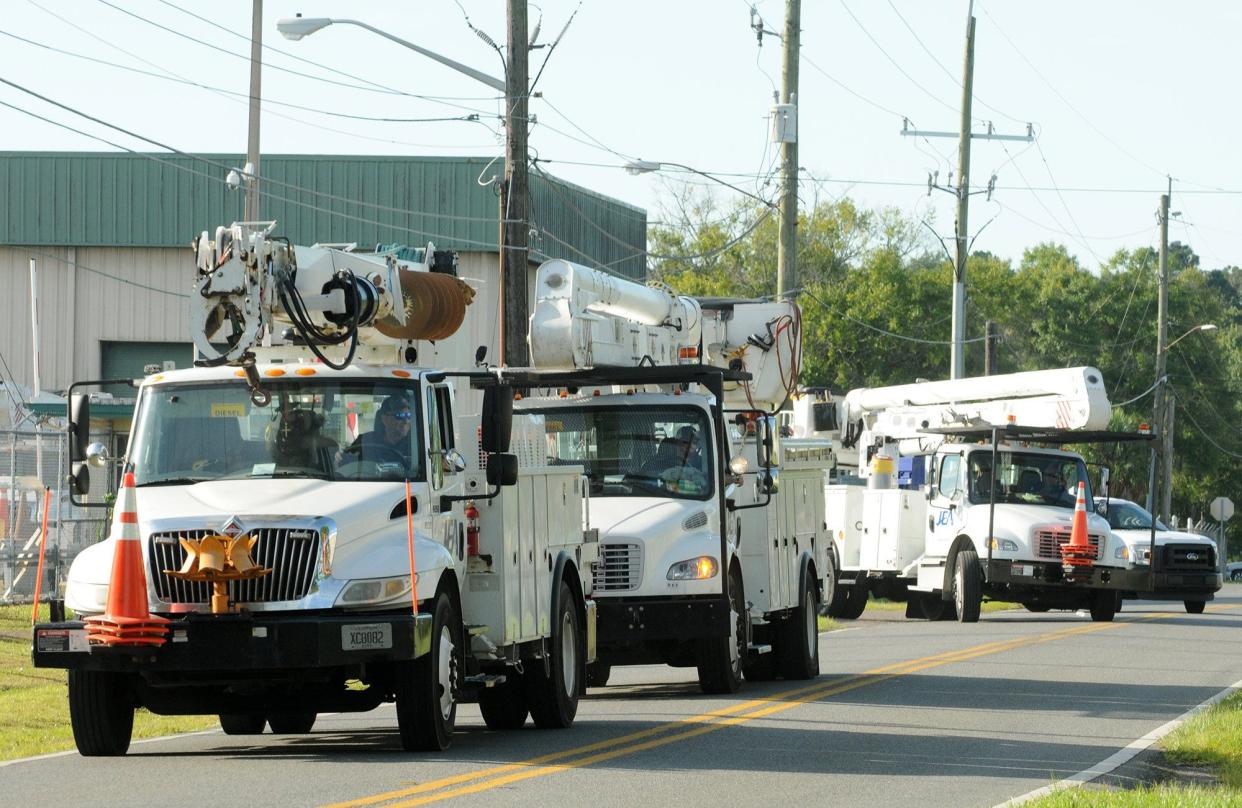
(139, 294)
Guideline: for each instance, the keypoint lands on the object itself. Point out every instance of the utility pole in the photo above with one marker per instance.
(1160, 504)
(251, 213)
(787, 242)
(990, 339)
(514, 253)
(957, 353)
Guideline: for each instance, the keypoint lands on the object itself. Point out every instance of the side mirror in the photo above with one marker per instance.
(497, 420)
(770, 482)
(480, 355)
(97, 455)
(79, 426)
(1104, 474)
(454, 462)
(502, 469)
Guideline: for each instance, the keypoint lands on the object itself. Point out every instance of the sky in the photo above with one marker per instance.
(1122, 96)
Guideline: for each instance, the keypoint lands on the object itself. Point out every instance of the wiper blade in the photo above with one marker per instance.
(173, 481)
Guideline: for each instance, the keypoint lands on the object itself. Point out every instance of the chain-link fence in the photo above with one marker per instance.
(33, 461)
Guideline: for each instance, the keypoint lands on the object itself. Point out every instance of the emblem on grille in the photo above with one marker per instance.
(232, 527)
(1192, 556)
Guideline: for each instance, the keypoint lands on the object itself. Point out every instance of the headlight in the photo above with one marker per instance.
(365, 591)
(1122, 552)
(1006, 545)
(694, 569)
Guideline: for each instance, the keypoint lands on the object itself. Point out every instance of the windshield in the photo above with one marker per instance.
(1028, 477)
(1128, 516)
(339, 430)
(638, 451)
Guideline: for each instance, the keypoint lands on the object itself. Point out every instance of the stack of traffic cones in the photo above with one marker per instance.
(127, 620)
(1077, 555)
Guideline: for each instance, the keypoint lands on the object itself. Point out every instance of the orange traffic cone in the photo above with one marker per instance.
(126, 620)
(1077, 555)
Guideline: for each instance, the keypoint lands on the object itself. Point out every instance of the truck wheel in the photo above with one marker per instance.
(835, 595)
(101, 711)
(552, 694)
(1037, 608)
(1195, 606)
(597, 674)
(935, 607)
(720, 659)
(856, 600)
(291, 723)
(243, 723)
(799, 646)
(426, 687)
(1103, 606)
(504, 705)
(967, 586)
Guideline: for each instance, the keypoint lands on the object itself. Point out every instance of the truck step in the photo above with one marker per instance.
(760, 649)
(486, 679)
(475, 631)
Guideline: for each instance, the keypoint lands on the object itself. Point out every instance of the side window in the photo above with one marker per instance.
(949, 475)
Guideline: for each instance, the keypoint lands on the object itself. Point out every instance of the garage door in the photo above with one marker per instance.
(129, 360)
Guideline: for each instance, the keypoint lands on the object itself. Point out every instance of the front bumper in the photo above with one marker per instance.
(1131, 582)
(246, 643)
(639, 621)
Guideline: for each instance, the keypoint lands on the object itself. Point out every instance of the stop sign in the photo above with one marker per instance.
(1221, 509)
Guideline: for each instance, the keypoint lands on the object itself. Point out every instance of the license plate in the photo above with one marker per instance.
(1022, 569)
(366, 637)
(61, 641)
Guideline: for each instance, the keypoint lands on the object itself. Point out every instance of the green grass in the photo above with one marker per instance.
(1212, 739)
(885, 605)
(34, 706)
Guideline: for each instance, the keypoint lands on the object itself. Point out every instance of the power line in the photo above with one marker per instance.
(893, 334)
(1181, 406)
(78, 265)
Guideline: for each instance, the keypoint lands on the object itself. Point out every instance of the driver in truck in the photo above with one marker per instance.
(389, 440)
(678, 462)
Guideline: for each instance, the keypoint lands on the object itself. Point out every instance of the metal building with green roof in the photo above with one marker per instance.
(109, 233)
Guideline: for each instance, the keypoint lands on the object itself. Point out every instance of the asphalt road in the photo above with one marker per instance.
(906, 712)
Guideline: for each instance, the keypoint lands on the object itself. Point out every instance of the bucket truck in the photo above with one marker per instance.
(992, 512)
(711, 525)
(323, 525)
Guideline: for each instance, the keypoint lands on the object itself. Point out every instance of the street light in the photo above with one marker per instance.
(1203, 327)
(1163, 419)
(294, 28)
(637, 167)
(514, 246)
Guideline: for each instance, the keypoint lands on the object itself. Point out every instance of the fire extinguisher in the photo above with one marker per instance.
(472, 529)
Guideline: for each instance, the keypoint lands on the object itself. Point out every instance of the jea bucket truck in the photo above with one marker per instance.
(993, 510)
(323, 524)
(711, 526)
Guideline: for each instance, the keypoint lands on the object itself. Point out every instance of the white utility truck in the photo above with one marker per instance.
(991, 511)
(306, 451)
(711, 527)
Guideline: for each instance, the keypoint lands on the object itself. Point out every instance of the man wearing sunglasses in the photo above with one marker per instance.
(389, 442)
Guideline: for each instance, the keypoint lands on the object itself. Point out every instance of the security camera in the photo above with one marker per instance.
(233, 180)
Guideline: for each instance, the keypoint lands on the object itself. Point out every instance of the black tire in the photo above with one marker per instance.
(597, 674)
(426, 688)
(799, 646)
(856, 600)
(243, 723)
(1236, 575)
(934, 607)
(504, 705)
(291, 723)
(1103, 606)
(721, 659)
(553, 685)
(835, 595)
(1195, 606)
(967, 586)
(1037, 608)
(101, 711)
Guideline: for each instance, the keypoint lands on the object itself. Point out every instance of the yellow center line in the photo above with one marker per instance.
(705, 723)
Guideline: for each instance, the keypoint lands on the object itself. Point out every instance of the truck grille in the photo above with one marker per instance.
(1048, 543)
(290, 553)
(1187, 557)
(620, 567)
